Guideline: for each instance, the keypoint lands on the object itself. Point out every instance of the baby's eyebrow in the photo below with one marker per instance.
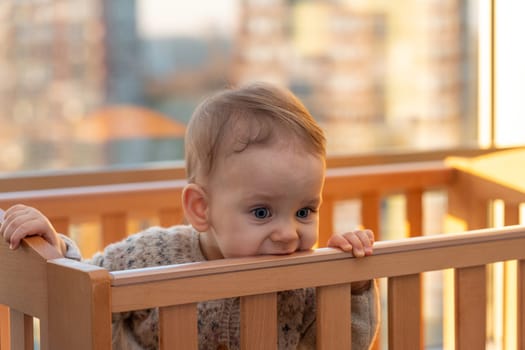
(259, 197)
(315, 202)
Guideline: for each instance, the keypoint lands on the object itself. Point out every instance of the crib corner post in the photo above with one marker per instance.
(79, 306)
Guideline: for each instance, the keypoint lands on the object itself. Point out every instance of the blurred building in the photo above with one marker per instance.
(347, 54)
(427, 86)
(262, 42)
(123, 53)
(59, 60)
(374, 73)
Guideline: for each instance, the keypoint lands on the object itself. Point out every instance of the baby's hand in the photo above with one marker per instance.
(359, 242)
(21, 221)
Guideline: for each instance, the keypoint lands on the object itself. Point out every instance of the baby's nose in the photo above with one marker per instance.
(285, 233)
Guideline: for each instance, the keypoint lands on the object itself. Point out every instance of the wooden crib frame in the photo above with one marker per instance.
(74, 301)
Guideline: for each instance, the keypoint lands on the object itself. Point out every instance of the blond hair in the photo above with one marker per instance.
(234, 119)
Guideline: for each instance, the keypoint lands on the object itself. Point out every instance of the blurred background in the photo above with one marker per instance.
(380, 76)
(106, 84)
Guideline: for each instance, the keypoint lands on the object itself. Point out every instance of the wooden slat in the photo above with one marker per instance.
(371, 219)
(405, 313)
(521, 304)
(466, 203)
(44, 334)
(326, 221)
(79, 302)
(512, 214)
(509, 302)
(470, 308)
(178, 327)
(259, 322)
(114, 228)
(414, 210)
(478, 214)
(170, 217)
(4, 328)
(371, 212)
(29, 334)
(333, 317)
(21, 330)
(61, 224)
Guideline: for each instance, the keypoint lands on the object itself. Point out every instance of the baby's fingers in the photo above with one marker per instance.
(24, 230)
(366, 237)
(339, 241)
(19, 222)
(13, 232)
(361, 241)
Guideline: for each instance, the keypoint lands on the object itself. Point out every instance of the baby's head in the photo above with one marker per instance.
(255, 161)
(235, 119)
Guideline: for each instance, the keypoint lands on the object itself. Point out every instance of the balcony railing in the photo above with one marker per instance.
(472, 187)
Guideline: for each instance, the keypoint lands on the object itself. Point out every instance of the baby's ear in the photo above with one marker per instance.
(195, 205)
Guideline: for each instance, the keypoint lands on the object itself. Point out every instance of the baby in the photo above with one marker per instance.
(255, 162)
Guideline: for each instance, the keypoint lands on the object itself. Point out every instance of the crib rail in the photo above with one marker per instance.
(256, 279)
(81, 298)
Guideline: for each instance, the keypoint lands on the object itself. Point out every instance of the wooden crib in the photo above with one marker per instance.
(74, 301)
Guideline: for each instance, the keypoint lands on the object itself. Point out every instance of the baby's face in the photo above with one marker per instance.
(265, 200)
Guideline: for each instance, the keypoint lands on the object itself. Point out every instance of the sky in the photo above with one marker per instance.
(163, 18)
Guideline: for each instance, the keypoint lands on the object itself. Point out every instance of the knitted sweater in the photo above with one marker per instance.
(218, 320)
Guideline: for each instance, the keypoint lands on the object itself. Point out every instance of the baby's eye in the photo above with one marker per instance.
(261, 213)
(303, 213)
